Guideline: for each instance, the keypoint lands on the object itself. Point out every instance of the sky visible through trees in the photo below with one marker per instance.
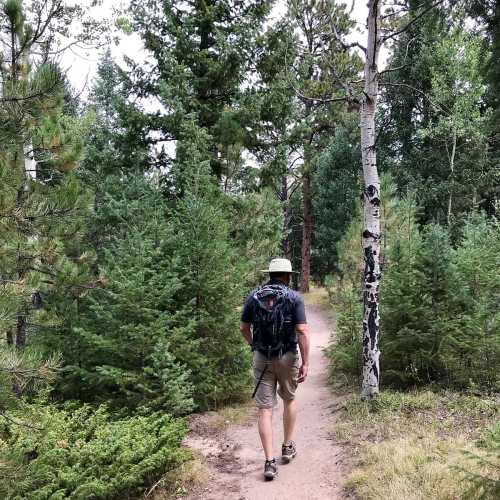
(82, 64)
(155, 155)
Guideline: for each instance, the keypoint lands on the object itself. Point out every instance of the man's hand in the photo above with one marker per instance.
(303, 372)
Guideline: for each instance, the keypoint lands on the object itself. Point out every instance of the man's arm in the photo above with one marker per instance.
(247, 333)
(246, 319)
(303, 337)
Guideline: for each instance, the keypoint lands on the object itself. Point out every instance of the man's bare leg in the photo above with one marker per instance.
(289, 419)
(266, 431)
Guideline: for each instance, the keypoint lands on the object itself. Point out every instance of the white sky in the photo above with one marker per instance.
(81, 65)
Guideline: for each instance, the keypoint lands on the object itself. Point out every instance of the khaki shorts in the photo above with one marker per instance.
(283, 371)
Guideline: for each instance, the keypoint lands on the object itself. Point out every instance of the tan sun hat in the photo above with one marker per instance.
(279, 266)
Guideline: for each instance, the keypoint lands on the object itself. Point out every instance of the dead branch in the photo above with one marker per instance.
(344, 45)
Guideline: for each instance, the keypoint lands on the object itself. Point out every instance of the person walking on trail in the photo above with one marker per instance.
(274, 323)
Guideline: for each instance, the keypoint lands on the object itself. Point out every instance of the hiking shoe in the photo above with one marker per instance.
(288, 452)
(270, 469)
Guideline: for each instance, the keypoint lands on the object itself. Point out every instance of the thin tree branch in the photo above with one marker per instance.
(412, 22)
(402, 66)
(414, 89)
(344, 45)
(21, 424)
(320, 100)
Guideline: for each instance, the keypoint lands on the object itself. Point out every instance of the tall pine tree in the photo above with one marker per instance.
(41, 203)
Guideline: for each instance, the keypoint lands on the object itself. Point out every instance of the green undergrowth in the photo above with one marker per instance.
(422, 445)
(83, 453)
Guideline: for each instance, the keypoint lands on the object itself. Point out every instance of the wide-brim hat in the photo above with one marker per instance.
(279, 266)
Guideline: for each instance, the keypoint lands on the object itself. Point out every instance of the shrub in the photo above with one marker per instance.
(83, 454)
(439, 305)
(344, 351)
(485, 484)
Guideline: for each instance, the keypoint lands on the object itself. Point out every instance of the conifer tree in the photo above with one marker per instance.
(117, 342)
(315, 79)
(117, 150)
(202, 53)
(337, 182)
(211, 273)
(41, 202)
(471, 347)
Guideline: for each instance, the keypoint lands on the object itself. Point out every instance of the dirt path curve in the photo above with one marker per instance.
(236, 459)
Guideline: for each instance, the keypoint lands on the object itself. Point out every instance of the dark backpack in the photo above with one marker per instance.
(273, 327)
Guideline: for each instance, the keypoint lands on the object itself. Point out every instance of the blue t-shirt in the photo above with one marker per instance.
(298, 311)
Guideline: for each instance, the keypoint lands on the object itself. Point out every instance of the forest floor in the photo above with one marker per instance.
(231, 457)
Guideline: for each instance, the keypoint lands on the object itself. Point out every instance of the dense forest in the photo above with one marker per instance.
(135, 217)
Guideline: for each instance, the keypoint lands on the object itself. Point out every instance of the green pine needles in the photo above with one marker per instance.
(440, 321)
(83, 453)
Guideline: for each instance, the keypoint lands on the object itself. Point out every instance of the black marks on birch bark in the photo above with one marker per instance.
(372, 325)
(372, 195)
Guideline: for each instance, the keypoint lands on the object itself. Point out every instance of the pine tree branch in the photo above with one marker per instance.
(345, 85)
(24, 98)
(412, 22)
(414, 89)
(20, 424)
(42, 271)
(346, 46)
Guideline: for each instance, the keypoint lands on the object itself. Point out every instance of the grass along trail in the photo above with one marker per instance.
(234, 456)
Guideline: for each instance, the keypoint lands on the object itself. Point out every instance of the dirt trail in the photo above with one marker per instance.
(235, 457)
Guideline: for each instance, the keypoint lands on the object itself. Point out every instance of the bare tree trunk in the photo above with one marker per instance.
(452, 175)
(306, 232)
(371, 198)
(20, 331)
(28, 165)
(286, 243)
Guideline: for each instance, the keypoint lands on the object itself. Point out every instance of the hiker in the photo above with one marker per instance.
(273, 322)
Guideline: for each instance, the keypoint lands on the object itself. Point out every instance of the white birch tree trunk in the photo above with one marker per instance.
(371, 199)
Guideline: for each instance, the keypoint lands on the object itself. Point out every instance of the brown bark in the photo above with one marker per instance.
(306, 232)
(20, 332)
(286, 243)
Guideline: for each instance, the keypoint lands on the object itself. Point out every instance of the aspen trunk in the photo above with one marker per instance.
(371, 199)
(306, 233)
